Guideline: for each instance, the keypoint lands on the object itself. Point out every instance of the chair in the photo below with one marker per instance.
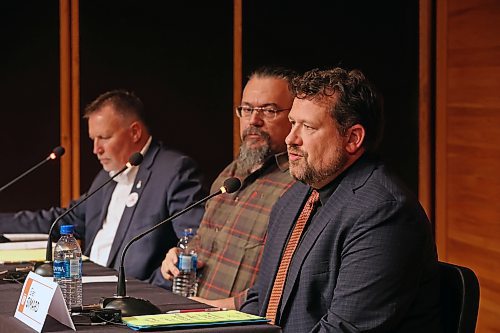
(459, 298)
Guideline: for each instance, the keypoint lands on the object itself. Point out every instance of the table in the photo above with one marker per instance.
(92, 293)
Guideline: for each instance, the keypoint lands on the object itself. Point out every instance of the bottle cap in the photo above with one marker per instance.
(188, 232)
(67, 229)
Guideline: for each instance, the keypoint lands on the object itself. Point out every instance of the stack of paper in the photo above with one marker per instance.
(191, 319)
(22, 256)
(23, 245)
(26, 237)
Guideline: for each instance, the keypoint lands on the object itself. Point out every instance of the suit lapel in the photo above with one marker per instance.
(282, 229)
(355, 178)
(141, 180)
(314, 230)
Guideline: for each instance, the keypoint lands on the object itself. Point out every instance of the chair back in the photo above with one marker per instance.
(459, 298)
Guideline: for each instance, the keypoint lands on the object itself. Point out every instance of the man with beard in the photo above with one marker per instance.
(348, 248)
(234, 227)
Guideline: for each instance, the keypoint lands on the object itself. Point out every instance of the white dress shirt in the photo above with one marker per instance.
(120, 198)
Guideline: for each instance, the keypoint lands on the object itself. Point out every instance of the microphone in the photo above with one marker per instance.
(131, 306)
(45, 269)
(56, 152)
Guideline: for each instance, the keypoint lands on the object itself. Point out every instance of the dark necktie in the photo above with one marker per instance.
(293, 241)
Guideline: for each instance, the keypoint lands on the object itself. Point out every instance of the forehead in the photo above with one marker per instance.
(311, 110)
(105, 118)
(267, 90)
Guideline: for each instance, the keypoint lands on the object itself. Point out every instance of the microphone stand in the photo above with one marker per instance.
(131, 306)
(57, 152)
(46, 268)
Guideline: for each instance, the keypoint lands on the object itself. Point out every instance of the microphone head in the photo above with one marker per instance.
(135, 159)
(57, 152)
(232, 184)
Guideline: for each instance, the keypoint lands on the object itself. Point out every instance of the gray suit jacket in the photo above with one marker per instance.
(366, 263)
(166, 182)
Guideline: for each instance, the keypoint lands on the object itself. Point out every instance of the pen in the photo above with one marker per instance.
(196, 310)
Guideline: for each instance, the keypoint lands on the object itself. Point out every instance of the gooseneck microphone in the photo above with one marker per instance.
(131, 306)
(56, 152)
(45, 269)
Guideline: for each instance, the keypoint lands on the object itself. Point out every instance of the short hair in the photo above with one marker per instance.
(277, 72)
(125, 103)
(355, 100)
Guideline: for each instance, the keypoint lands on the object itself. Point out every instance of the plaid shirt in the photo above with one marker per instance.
(234, 228)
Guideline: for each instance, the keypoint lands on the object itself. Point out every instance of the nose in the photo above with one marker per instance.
(256, 119)
(293, 139)
(97, 147)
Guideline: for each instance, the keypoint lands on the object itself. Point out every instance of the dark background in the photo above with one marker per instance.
(178, 58)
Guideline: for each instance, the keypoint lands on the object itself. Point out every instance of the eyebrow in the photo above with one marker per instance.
(261, 106)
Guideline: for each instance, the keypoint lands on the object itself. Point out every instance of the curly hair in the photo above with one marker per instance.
(125, 103)
(354, 100)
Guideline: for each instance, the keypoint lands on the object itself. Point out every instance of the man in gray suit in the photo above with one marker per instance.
(362, 258)
(165, 183)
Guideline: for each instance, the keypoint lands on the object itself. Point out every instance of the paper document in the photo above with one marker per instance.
(94, 279)
(25, 255)
(19, 256)
(191, 319)
(23, 245)
(26, 237)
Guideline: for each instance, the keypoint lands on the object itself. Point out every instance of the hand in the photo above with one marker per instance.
(169, 265)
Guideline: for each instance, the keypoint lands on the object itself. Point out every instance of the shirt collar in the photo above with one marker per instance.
(282, 161)
(326, 191)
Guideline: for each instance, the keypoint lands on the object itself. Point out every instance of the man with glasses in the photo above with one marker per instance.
(234, 227)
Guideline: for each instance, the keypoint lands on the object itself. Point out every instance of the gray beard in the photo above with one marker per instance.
(249, 159)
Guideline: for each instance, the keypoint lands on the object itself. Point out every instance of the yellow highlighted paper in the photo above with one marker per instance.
(19, 256)
(191, 319)
(25, 255)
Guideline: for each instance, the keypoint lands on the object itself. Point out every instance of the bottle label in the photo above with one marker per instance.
(194, 261)
(75, 267)
(58, 269)
(187, 263)
(66, 269)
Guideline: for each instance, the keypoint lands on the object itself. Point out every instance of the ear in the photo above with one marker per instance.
(135, 131)
(355, 137)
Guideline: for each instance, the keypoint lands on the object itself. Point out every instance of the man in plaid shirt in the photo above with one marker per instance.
(234, 227)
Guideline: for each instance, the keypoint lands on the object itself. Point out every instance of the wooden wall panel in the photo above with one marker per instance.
(467, 146)
(425, 108)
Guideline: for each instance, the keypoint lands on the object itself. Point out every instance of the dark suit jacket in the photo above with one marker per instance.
(366, 263)
(166, 183)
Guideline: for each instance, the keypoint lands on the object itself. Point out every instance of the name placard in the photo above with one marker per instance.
(40, 297)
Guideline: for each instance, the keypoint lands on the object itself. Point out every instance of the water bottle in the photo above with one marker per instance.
(186, 284)
(68, 267)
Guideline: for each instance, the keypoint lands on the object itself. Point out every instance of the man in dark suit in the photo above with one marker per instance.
(164, 183)
(348, 248)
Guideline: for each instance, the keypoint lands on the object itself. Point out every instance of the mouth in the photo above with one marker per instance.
(253, 137)
(294, 154)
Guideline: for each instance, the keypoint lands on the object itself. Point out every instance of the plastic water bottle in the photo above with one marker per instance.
(68, 267)
(185, 284)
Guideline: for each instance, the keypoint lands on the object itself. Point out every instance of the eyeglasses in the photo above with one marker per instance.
(268, 113)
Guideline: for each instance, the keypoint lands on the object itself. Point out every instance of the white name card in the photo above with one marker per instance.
(40, 297)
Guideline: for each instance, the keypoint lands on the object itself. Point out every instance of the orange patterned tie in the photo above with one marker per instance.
(293, 241)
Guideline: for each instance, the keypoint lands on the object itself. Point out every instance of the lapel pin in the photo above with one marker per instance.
(132, 199)
(139, 184)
